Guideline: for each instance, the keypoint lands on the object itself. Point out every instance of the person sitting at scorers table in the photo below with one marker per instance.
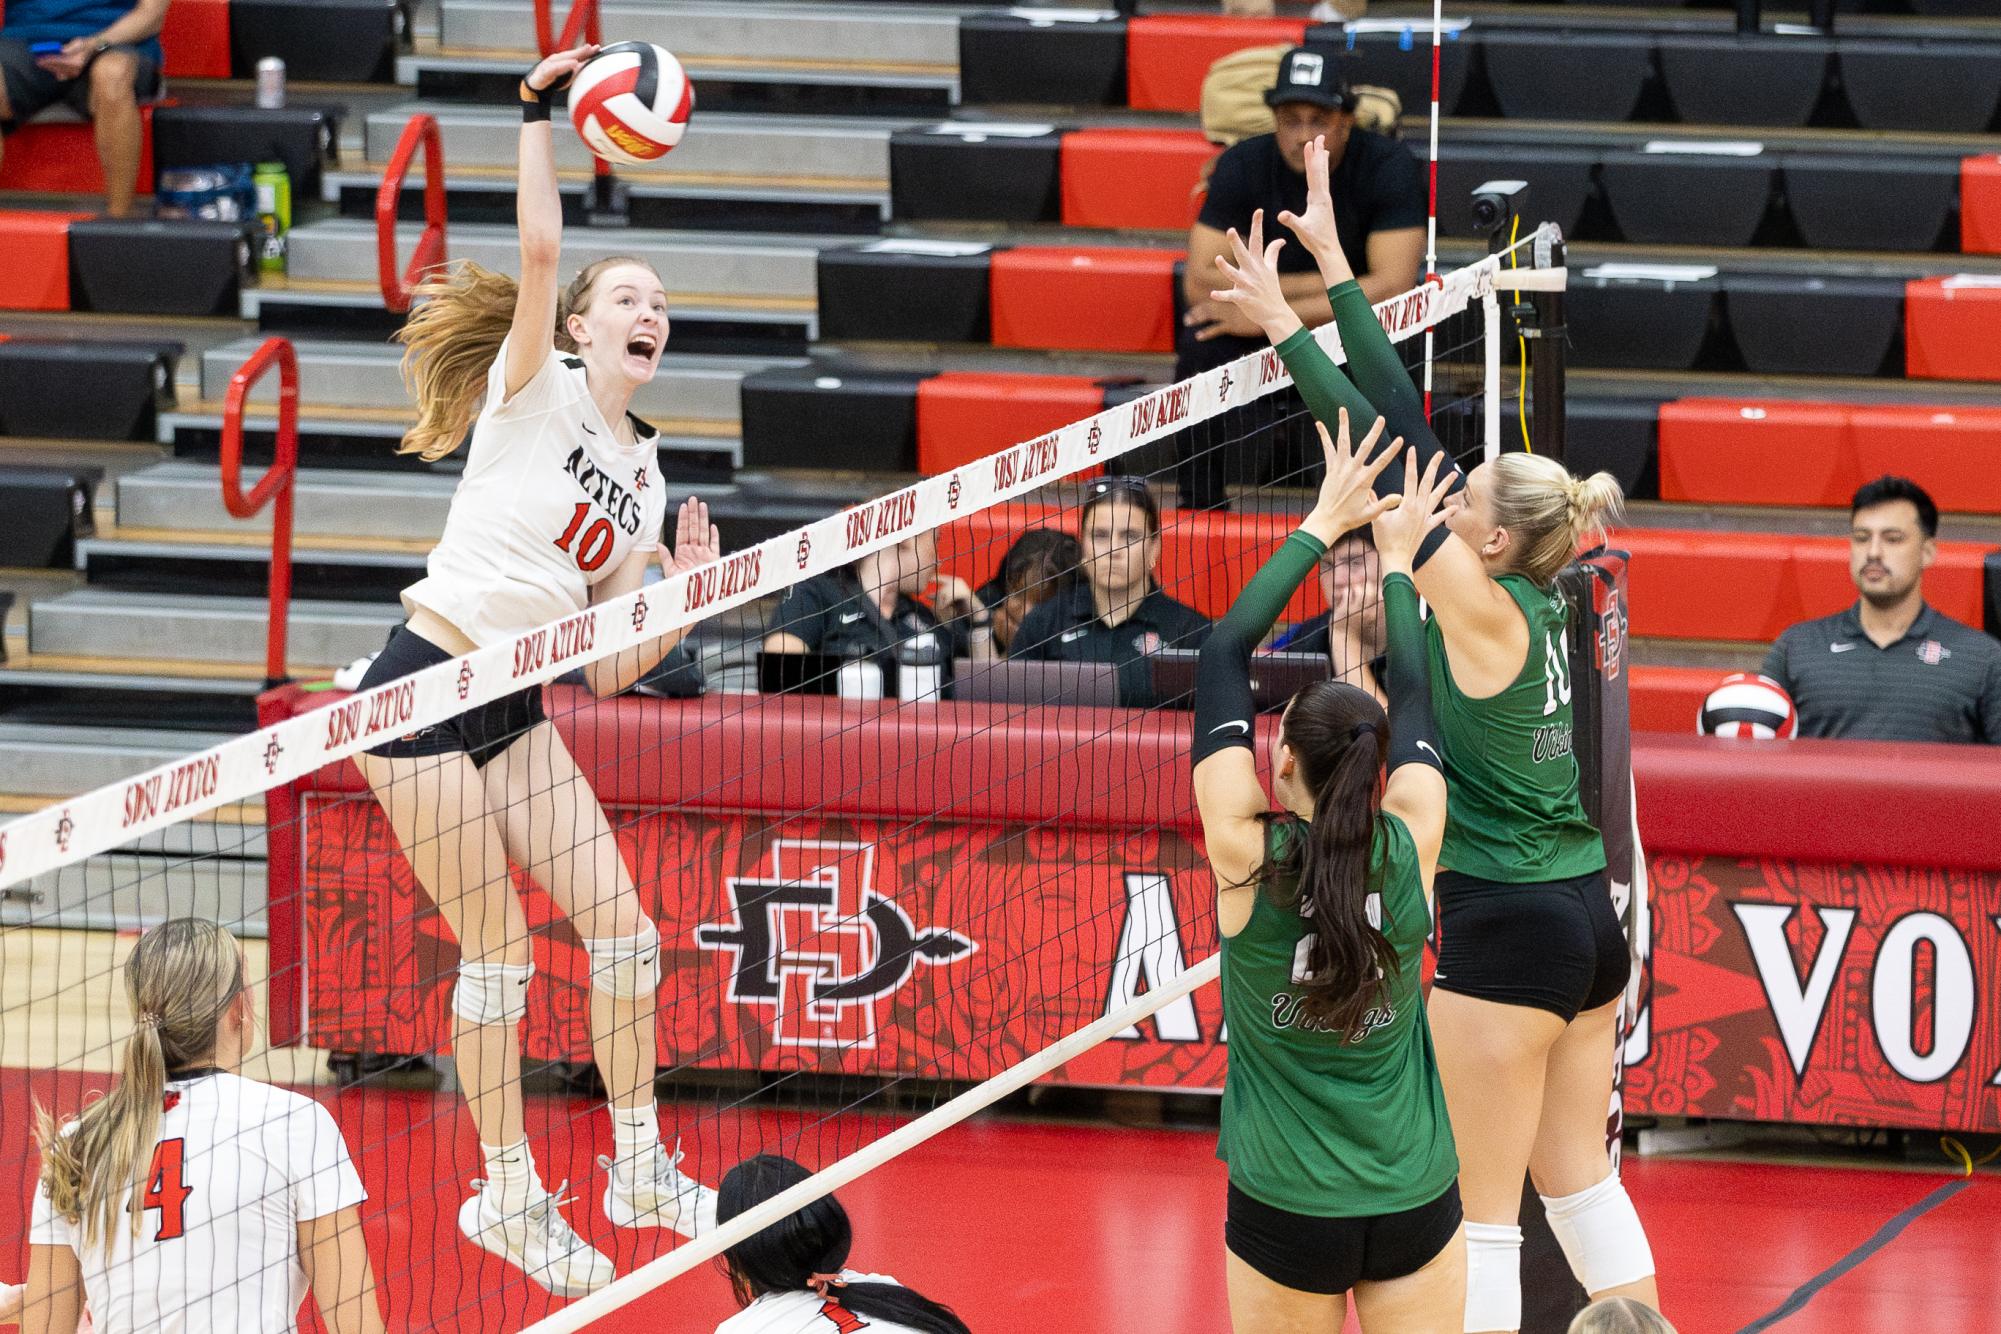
(1118, 613)
(874, 609)
(1350, 633)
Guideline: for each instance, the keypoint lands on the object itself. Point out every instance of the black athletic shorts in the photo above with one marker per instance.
(32, 89)
(1330, 1255)
(481, 732)
(1556, 944)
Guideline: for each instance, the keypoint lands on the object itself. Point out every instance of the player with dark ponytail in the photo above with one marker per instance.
(1343, 1175)
(792, 1278)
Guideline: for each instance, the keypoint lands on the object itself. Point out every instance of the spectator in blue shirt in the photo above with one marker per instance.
(98, 56)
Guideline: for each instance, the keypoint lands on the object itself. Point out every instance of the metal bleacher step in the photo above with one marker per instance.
(123, 892)
(177, 629)
(360, 375)
(45, 761)
(860, 33)
(327, 503)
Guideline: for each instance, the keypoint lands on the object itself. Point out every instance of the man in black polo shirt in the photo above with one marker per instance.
(1379, 208)
(1117, 613)
(1891, 668)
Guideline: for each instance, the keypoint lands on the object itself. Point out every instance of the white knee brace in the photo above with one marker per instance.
(1601, 1235)
(626, 967)
(492, 993)
(1493, 1277)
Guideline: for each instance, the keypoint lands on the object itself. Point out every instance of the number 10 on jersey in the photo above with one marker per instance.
(594, 546)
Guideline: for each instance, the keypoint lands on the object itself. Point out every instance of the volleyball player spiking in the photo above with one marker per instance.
(561, 506)
(1342, 1172)
(1532, 960)
(189, 1198)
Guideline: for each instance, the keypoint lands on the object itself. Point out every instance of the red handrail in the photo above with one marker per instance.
(583, 19)
(421, 132)
(277, 481)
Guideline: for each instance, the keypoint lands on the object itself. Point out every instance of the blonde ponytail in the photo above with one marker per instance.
(453, 334)
(1547, 512)
(181, 979)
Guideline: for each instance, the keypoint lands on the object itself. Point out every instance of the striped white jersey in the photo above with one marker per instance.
(236, 1167)
(550, 504)
(806, 1313)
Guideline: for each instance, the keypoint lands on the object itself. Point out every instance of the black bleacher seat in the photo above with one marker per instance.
(1010, 56)
(850, 421)
(1402, 61)
(1559, 179)
(1615, 435)
(1675, 198)
(1949, 87)
(1640, 323)
(304, 138)
(966, 174)
(1744, 79)
(130, 383)
(6, 610)
(1549, 74)
(47, 510)
(1849, 201)
(903, 291)
(137, 266)
(1793, 325)
(322, 41)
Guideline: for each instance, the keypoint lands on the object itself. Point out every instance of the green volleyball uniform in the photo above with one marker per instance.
(1334, 1125)
(1513, 815)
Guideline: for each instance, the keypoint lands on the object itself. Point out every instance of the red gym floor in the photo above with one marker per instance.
(1104, 1229)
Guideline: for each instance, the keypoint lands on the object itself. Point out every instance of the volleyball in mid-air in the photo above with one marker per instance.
(630, 102)
(1750, 706)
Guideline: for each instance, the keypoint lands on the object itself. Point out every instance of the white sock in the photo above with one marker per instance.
(634, 1131)
(510, 1176)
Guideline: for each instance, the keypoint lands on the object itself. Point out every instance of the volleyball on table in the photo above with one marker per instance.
(630, 102)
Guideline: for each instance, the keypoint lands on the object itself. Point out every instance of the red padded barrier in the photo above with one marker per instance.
(60, 158)
(1133, 180)
(1669, 699)
(966, 415)
(195, 39)
(1086, 300)
(1952, 330)
(1167, 55)
(35, 275)
(1723, 451)
(1980, 205)
(1955, 452)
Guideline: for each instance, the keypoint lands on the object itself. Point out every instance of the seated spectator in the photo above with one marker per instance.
(1117, 613)
(1042, 563)
(873, 609)
(1890, 668)
(1619, 1315)
(109, 59)
(1350, 632)
(792, 1278)
(1380, 207)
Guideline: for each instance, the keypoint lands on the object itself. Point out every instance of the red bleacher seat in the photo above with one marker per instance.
(1980, 204)
(1750, 586)
(1722, 451)
(1669, 699)
(965, 415)
(195, 39)
(1133, 179)
(59, 157)
(1954, 453)
(1082, 299)
(35, 275)
(1167, 55)
(1952, 329)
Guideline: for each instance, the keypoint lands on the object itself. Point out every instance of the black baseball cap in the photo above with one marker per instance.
(1311, 74)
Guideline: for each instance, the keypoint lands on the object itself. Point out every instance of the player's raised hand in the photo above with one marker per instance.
(696, 540)
(556, 70)
(1315, 228)
(1254, 287)
(1400, 531)
(1348, 496)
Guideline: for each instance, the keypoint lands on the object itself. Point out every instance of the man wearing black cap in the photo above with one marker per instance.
(1379, 206)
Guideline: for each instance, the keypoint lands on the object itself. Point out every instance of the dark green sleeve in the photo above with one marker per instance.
(1225, 711)
(1376, 368)
(1322, 385)
(1413, 729)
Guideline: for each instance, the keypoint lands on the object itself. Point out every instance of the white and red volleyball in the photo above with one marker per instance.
(630, 102)
(1750, 706)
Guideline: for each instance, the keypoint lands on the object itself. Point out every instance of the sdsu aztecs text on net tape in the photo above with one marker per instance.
(1750, 706)
(630, 102)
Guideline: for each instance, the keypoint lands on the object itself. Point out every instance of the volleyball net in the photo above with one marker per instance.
(890, 888)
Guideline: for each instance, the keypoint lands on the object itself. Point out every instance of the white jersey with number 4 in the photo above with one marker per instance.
(807, 1313)
(550, 504)
(237, 1166)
